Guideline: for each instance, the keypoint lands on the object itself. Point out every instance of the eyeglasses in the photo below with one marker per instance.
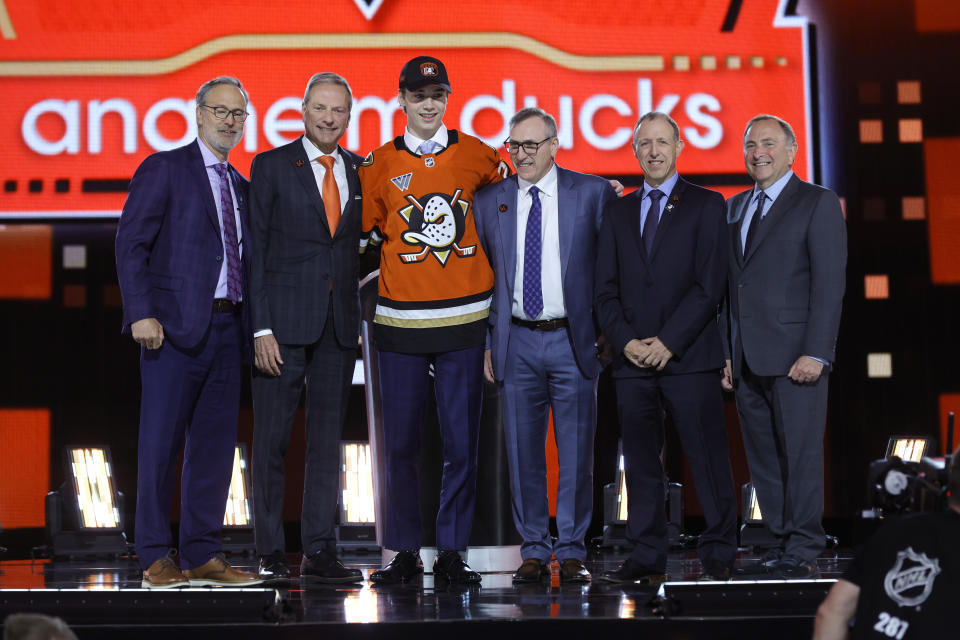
(531, 147)
(221, 113)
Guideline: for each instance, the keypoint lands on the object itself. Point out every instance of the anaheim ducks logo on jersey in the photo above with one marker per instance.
(435, 223)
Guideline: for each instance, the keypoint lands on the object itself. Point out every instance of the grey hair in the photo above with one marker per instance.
(531, 112)
(210, 84)
(653, 115)
(784, 126)
(328, 77)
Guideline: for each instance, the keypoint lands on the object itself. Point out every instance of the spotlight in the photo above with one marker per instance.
(357, 529)
(237, 521)
(85, 515)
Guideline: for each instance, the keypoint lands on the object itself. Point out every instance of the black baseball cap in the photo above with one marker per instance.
(423, 70)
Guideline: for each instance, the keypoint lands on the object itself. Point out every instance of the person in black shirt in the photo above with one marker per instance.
(904, 582)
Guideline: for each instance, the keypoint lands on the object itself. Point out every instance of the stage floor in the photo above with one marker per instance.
(103, 599)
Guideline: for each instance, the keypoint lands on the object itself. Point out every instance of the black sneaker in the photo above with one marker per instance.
(405, 566)
(450, 566)
(324, 566)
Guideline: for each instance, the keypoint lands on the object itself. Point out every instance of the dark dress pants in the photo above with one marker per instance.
(696, 407)
(190, 399)
(325, 369)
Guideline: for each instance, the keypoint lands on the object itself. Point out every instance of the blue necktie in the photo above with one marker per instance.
(532, 290)
(426, 147)
(653, 218)
(231, 244)
(754, 222)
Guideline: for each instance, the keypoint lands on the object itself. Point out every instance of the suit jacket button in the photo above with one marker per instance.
(219, 258)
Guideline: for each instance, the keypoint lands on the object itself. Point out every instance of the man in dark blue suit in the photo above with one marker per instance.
(181, 268)
(539, 230)
(661, 271)
(305, 231)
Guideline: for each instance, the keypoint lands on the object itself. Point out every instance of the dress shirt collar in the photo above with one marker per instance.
(441, 138)
(313, 152)
(774, 190)
(547, 184)
(666, 188)
(209, 157)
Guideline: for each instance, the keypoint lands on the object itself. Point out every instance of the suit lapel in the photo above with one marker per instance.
(568, 203)
(671, 209)
(780, 207)
(507, 225)
(633, 202)
(304, 172)
(202, 184)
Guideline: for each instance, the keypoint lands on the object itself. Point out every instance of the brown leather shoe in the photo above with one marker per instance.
(532, 570)
(216, 572)
(164, 574)
(572, 570)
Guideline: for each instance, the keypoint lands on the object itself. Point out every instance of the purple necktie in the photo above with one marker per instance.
(532, 290)
(754, 222)
(230, 243)
(653, 218)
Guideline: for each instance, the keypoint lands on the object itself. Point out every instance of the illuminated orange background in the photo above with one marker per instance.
(26, 261)
(756, 68)
(943, 209)
(25, 434)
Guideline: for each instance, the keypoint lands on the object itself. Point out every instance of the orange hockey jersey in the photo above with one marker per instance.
(435, 280)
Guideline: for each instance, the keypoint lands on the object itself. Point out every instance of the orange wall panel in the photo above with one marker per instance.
(943, 209)
(948, 402)
(937, 15)
(26, 261)
(25, 470)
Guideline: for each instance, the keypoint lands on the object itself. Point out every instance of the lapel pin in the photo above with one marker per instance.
(503, 208)
(299, 163)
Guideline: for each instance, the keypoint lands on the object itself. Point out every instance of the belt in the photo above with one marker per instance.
(223, 305)
(541, 325)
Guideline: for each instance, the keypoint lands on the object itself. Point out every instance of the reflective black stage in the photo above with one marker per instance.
(102, 599)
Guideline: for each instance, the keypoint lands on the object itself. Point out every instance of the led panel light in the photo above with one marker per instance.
(909, 448)
(356, 483)
(91, 474)
(237, 513)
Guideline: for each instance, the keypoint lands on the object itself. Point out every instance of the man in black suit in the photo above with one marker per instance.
(305, 228)
(661, 264)
(788, 254)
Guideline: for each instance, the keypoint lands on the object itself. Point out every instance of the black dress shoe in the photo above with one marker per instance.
(405, 566)
(762, 567)
(714, 571)
(532, 570)
(793, 568)
(572, 570)
(273, 568)
(632, 571)
(324, 566)
(450, 566)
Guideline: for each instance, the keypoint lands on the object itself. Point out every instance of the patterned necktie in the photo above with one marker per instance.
(426, 147)
(754, 222)
(532, 290)
(653, 219)
(231, 244)
(330, 193)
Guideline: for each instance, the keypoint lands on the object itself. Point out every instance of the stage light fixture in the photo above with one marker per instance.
(85, 515)
(357, 529)
(616, 508)
(753, 531)
(909, 448)
(237, 533)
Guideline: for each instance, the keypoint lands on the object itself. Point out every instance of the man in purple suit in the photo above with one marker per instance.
(180, 266)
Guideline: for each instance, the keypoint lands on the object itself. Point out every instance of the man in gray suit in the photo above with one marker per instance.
(305, 233)
(788, 256)
(539, 230)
